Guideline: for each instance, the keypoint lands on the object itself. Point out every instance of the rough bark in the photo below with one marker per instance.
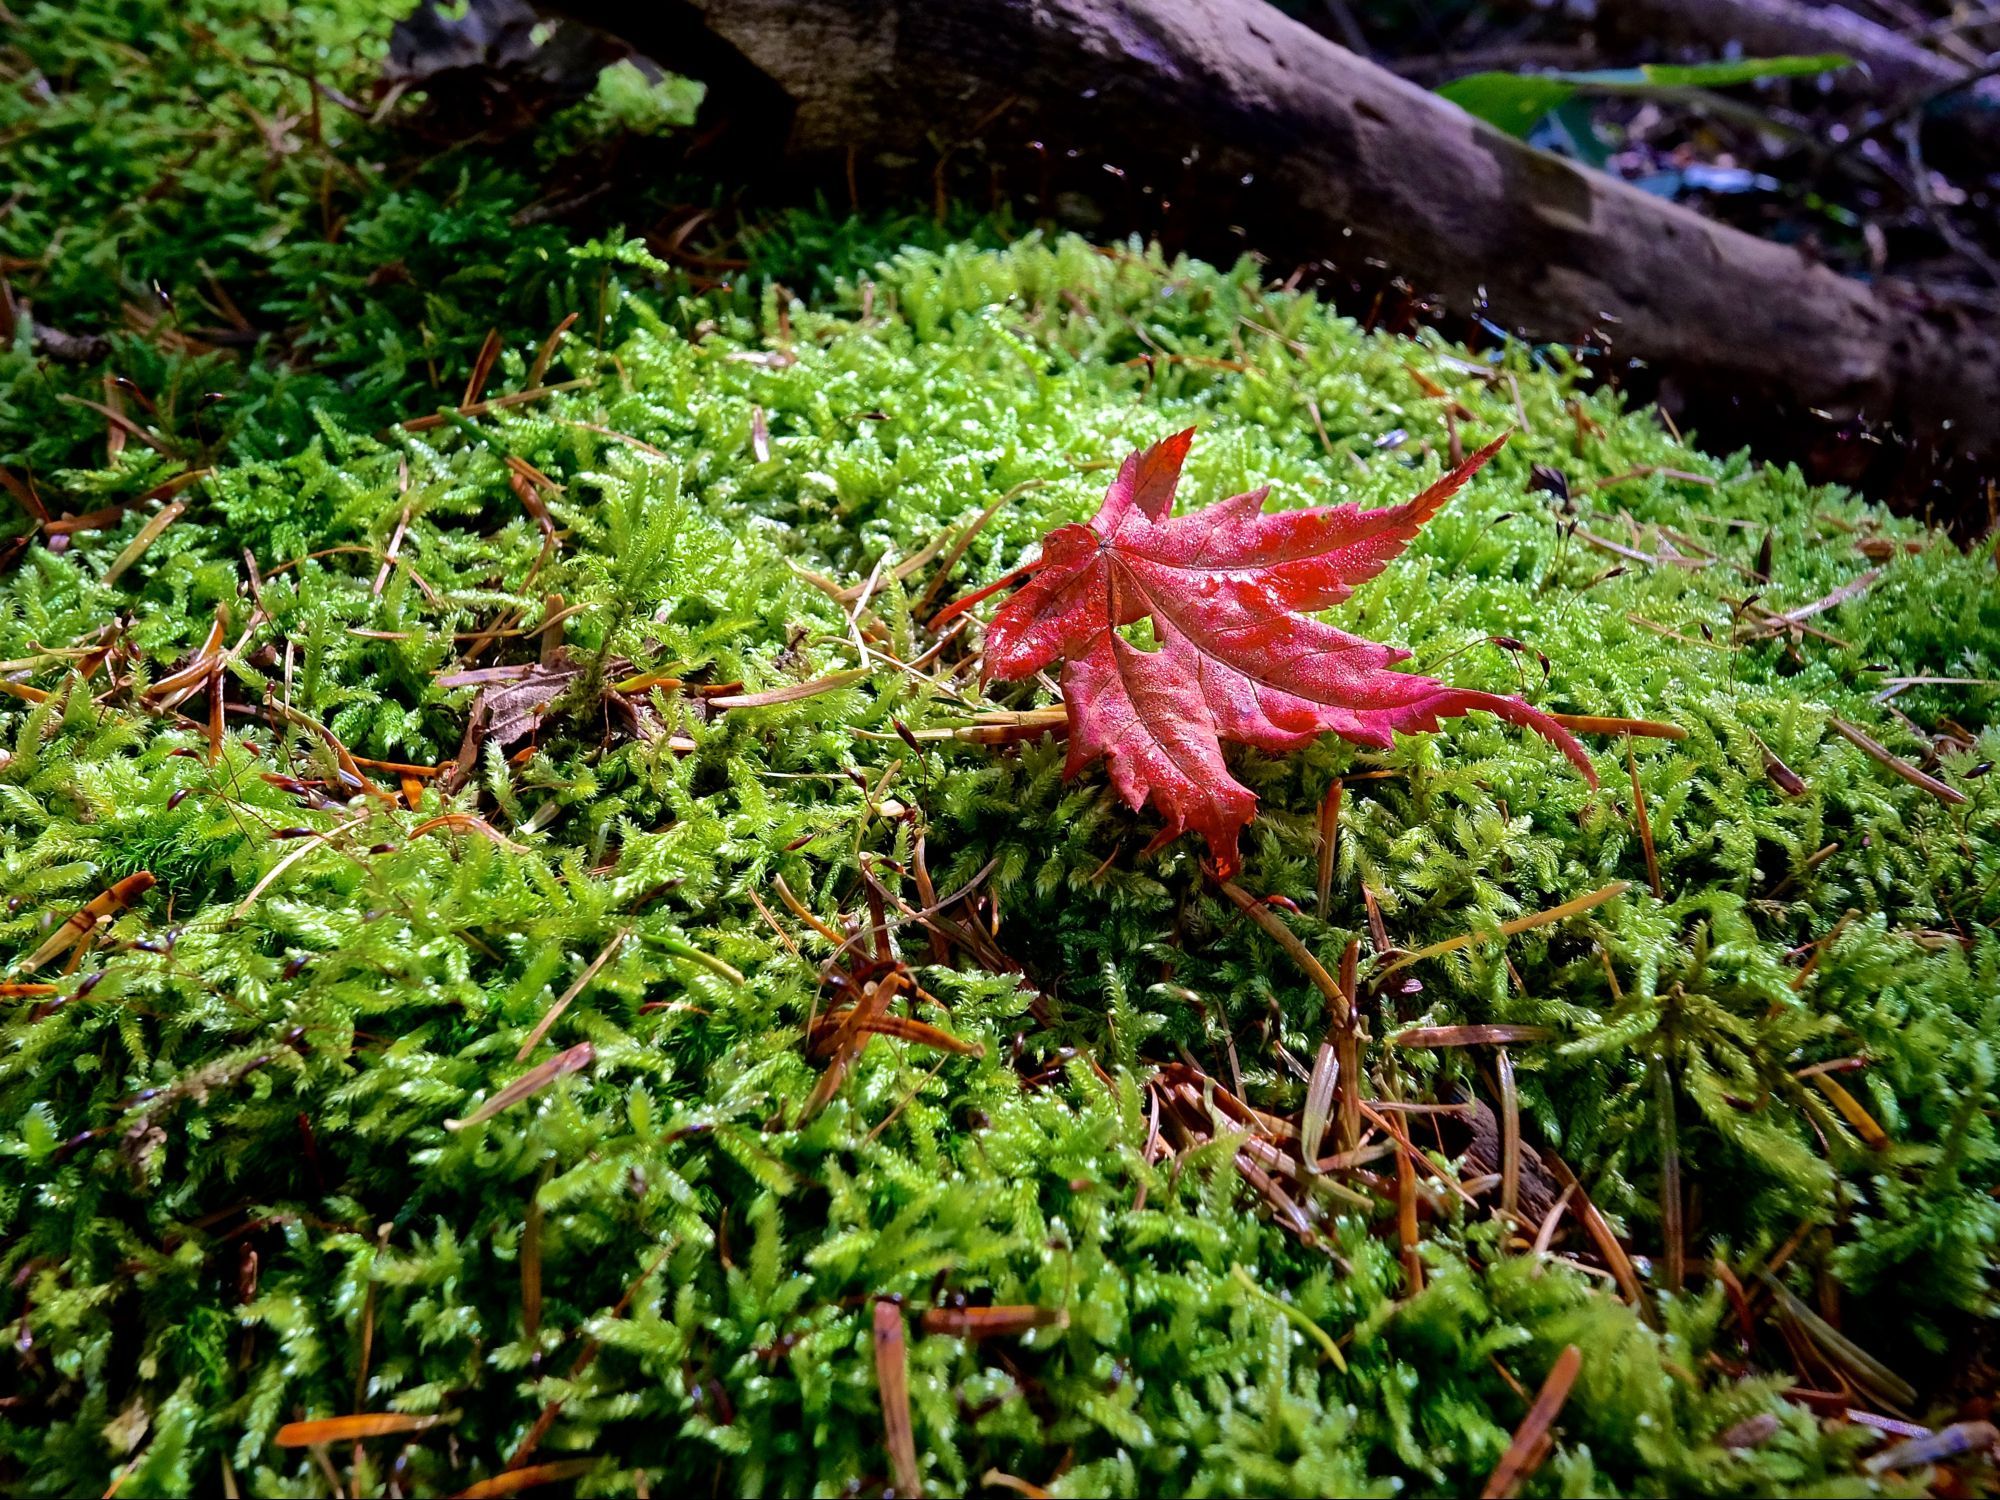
(1238, 114)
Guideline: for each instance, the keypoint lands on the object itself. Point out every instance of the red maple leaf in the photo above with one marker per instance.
(1229, 591)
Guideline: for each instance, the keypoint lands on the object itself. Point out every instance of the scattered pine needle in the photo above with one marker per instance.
(554, 1012)
(849, 1037)
(1554, 914)
(1788, 781)
(803, 912)
(892, 1380)
(1282, 1203)
(1406, 1224)
(965, 540)
(1633, 554)
(992, 728)
(148, 534)
(482, 368)
(964, 602)
(1285, 938)
(547, 353)
(270, 877)
(361, 1425)
(1821, 947)
(902, 1028)
(483, 408)
(1622, 1270)
(1510, 1133)
(1532, 1439)
(1645, 823)
(905, 570)
(1318, 1109)
(531, 1264)
(1671, 634)
(1347, 1050)
(512, 1481)
(1853, 589)
(990, 1322)
(585, 1356)
(1646, 471)
(529, 1084)
(111, 515)
(1329, 840)
(1489, 1035)
(1810, 863)
(1854, 1112)
(120, 423)
(1602, 724)
(1917, 1450)
(794, 692)
(1849, 1357)
(996, 1479)
(86, 919)
(1295, 1316)
(1895, 764)
(463, 822)
(26, 496)
(343, 758)
(396, 767)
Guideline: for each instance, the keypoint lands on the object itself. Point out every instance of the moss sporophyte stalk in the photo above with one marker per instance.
(525, 935)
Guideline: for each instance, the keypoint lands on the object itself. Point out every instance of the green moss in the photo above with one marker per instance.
(225, 1171)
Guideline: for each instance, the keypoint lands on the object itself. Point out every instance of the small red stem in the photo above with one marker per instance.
(964, 602)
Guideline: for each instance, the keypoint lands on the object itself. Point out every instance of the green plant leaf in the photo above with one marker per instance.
(1517, 102)
(1514, 102)
(1720, 75)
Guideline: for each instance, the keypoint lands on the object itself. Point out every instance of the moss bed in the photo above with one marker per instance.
(231, 1196)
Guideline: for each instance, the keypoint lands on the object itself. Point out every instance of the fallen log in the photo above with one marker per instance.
(1230, 111)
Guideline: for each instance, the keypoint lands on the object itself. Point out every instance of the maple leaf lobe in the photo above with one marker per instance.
(1229, 591)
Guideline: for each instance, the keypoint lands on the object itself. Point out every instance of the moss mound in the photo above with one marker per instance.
(259, 1161)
